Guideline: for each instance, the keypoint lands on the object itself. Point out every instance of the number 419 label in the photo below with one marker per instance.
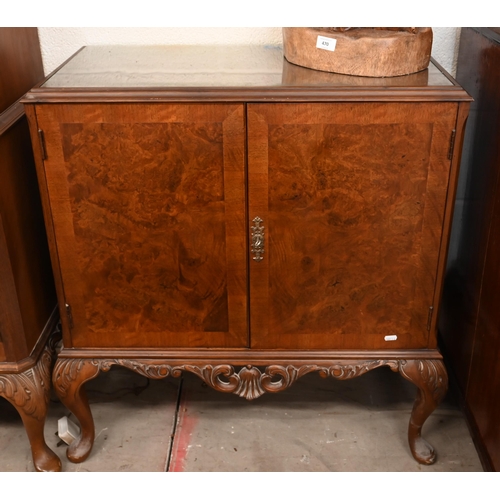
(326, 43)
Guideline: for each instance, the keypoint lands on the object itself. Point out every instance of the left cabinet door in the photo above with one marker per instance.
(148, 208)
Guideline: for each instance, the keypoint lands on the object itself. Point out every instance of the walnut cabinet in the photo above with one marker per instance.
(223, 212)
(28, 303)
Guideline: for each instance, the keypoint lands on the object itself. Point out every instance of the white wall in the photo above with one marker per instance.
(445, 47)
(60, 43)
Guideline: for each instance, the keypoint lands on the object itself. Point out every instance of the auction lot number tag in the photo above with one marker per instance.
(325, 43)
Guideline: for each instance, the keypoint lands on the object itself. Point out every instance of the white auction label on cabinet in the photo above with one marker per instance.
(323, 42)
(389, 338)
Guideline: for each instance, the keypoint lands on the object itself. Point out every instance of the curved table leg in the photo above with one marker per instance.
(430, 376)
(44, 459)
(68, 378)
(29, 393)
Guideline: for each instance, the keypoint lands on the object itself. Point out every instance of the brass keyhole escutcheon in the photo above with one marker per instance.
(257, 239)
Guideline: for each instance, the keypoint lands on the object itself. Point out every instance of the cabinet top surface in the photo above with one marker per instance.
(218, 72)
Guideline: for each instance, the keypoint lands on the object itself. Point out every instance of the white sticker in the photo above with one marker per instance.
(326, 43)
(388, 338)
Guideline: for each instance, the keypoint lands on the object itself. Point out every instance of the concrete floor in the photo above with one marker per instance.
(316, 425)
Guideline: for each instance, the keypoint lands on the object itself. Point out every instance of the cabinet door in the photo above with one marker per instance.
(352, 199)
(148, 206)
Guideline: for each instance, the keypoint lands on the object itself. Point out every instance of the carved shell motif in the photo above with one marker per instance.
(249, 383)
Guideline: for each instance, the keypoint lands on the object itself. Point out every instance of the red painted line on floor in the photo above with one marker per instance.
(185, 426)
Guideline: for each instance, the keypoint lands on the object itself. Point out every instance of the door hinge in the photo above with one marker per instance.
(429, 318)
(452, 144)
(69, 315)
(41, 140)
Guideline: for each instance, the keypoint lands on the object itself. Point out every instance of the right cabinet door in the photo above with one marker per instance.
(351, 202)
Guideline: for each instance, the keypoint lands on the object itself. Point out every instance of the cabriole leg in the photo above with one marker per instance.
(430, 376)
(44, 459)
(29, 393)
(69, 377)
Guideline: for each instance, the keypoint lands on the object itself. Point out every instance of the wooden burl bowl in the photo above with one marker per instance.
(359, 51)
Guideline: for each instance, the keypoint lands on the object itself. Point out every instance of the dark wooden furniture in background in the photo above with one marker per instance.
(28, 313)
(470, 319)
(21, 63)
(221, 211)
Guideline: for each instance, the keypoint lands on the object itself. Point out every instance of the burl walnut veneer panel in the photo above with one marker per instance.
(154, 253)
(352, 198)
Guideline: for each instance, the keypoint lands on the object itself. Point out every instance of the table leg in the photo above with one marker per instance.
(431, 379)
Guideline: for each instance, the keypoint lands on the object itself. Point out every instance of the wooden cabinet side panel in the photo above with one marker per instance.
(148, 204)
(21, 63)
(11, 325)
(355, 208)
(477, 72)
(456, 155)
(471, 318)
(27, 284)
(484, 383)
